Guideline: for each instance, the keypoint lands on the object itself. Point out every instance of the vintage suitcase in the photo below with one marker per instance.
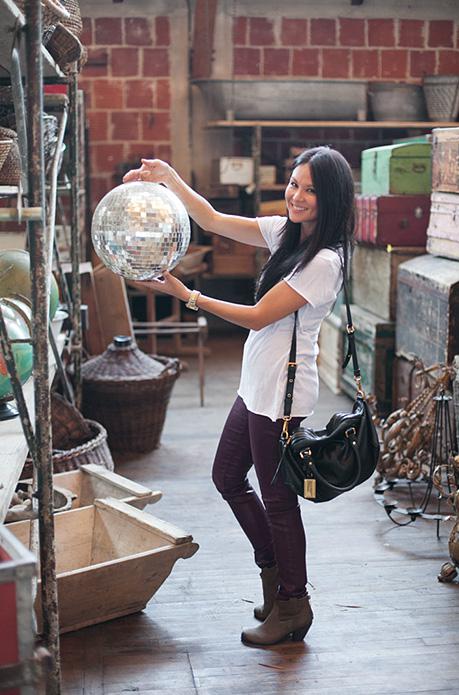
(445, 160)
(375, 338)
(443, 231)
(374, 277)
(331, 352)
(400, 220)
(403, 169)
(428, 309)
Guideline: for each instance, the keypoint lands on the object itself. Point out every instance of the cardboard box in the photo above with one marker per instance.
(236, 170)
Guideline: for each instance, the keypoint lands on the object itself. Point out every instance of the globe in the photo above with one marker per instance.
(15, 277)
(140, 229)
(16, 315)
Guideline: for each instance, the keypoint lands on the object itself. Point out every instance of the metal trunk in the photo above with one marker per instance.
(403, 169)
(428, 309)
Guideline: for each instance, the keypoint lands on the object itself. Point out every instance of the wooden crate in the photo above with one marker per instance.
(443, 232)
(400, 220)
(403, 169)
(111, 558)
(90, 482)
(445, 160)
(374, 277)
(17, 633)
(331, 352)
(428, 309)
(375, 340)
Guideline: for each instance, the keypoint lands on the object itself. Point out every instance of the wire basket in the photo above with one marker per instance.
(132, 410)
(442, 97)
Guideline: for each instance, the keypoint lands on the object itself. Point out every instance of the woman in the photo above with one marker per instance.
(303, 274)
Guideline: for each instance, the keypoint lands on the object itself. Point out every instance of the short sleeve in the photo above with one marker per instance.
(320, 280)
(271, 229)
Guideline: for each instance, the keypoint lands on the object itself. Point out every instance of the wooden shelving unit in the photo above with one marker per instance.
(26, 64)
(257, 127)
(334, 124)
(12, 18)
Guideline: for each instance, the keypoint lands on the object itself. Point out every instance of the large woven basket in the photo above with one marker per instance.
(130, 405)
(442, 97)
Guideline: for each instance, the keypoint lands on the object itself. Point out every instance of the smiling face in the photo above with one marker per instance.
(301, 198)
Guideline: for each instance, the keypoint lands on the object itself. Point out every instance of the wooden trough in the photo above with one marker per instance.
(90, 482)
(111, 559)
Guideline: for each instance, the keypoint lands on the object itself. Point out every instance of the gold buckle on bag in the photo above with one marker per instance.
(284, 434)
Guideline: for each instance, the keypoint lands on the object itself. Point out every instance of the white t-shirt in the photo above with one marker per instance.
(266, 352)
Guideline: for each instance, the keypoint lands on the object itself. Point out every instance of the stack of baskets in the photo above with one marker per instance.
(129, 391)
(442, 97)
(62, 40)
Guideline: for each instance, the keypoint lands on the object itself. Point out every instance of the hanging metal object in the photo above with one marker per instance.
(427, 485)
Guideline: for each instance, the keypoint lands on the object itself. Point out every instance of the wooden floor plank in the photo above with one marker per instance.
(383, 623)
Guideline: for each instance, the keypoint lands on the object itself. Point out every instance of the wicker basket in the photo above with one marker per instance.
(442, 97)
(10, 171)
(69, 428)
(74, 22)
(124, 389)
(64, 46)
(5, 146)
(93, 451)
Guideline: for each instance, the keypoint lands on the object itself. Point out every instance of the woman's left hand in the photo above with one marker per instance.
(167, 283)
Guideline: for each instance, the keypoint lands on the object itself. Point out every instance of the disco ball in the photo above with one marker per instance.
(140, 229)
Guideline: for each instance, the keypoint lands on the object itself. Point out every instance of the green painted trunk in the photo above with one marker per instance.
(403, 169)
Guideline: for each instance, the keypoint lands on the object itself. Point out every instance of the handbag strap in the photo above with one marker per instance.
(351, 353)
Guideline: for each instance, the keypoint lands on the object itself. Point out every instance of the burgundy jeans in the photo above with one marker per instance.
(274, 527)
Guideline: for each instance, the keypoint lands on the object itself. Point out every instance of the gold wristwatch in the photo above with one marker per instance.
(192, 303)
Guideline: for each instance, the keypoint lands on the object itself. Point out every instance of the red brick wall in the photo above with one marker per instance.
(126, 81)
(373, 49)
(383, 49)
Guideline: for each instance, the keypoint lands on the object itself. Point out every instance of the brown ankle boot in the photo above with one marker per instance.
(270, 582)
(290, 618)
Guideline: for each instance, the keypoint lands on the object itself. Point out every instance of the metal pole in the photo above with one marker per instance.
(76, 346)
(40, 313)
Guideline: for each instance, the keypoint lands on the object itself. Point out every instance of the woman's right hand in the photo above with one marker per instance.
(152, 170)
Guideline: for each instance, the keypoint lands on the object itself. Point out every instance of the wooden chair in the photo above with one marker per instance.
(178, 329)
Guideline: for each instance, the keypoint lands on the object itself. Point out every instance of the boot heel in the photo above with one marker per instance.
(299, 635)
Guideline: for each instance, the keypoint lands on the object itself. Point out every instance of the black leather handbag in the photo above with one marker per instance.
(322, 464)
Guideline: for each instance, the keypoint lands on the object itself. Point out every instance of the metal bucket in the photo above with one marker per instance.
(284, 99)
(393, 101)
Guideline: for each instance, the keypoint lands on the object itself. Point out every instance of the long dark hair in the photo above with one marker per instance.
(334, 186)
